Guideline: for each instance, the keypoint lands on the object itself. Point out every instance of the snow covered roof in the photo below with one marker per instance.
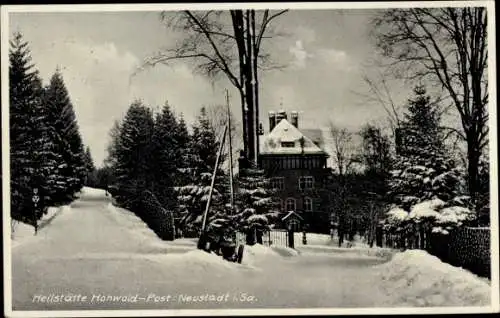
(285, 132)
(316, 135)
(290, 214)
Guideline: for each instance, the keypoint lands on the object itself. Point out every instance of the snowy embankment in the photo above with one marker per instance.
(142, 233)
(22, 232)
(417, 279)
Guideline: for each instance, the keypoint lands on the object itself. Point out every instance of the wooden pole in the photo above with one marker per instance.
(231, 185)
(221, 146)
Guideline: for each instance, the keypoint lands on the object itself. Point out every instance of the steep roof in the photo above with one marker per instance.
(284, 131)
(316, 135)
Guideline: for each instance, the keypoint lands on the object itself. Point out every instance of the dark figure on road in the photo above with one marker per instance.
(341, 235)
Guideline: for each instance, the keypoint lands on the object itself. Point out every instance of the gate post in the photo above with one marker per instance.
(290, 237)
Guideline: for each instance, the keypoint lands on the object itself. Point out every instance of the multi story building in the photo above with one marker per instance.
(296, 162)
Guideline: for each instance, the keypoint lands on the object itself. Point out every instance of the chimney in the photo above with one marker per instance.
(280, 115)
(295, 119)
(272, 120)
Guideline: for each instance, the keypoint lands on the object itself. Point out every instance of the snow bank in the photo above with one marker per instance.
(285, 251)
(132, 222)
(22, 233)
(416, 278)
(259, 249)
(255, 254)
(145, 236)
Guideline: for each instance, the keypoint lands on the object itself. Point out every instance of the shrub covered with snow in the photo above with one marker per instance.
(397, 215)
(435, 213)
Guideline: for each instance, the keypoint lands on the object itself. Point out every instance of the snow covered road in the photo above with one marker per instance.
(96, 256)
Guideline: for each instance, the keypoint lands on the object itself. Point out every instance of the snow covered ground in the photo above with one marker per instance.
(108, 255)
(22, 232)
(416, 278)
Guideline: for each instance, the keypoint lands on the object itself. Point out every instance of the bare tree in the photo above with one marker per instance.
(446, 46)
(378, 92)
(344, 151)
(217, 115)
(225, 43)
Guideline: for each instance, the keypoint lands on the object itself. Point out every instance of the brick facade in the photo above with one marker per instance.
(298, 170)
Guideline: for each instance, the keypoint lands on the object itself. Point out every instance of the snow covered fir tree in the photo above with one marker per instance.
(46, 149)
(426, 186)
(257, 203)
(201, 155)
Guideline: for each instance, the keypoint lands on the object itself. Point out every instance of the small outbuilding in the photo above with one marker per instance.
(292, 221)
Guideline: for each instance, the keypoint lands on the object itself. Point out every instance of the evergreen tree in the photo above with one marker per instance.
(89, 168)
(257, 205)
(201, 155)
(203, 143)
(132, 165)
(32, 152)
(423, 169)
(114, 135)
(185, 154)
(165, 154)
(62, 119)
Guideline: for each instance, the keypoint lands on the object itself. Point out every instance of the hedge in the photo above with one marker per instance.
(156, 217)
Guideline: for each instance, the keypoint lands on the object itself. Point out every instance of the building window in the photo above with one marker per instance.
(278, 183)
(290, 204)
(308, 204)
(287, 144)
(306, 182)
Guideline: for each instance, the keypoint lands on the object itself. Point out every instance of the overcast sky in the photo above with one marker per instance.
(325, 51)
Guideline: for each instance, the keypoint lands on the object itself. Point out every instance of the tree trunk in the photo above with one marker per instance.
(239, 35)
(255, 55)
(249, 92)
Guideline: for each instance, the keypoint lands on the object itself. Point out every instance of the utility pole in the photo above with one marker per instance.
(231, 185)
(213, 181)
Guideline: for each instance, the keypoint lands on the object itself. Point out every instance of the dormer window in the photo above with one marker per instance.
(287, 144)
